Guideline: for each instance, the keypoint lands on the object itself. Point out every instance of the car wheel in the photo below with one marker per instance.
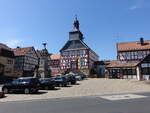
(60, 85)
(5, 90)
(36, 91)
(26, 90)
(53, 87)
(64, 85)
(46, 88)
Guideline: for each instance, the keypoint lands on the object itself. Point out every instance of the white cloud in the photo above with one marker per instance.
(138, 4)
(13, 43)
(133, 7)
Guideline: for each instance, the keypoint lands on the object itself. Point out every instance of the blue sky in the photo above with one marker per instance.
(103, 23)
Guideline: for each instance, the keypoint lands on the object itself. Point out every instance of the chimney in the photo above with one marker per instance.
(142, 41)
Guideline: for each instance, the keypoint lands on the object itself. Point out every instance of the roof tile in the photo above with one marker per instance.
(55, 56)
(118, 64)
(131, 46)
(21, 51)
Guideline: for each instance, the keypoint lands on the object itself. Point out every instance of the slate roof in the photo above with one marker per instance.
(74, 44)
(131, 46)
(22, 51)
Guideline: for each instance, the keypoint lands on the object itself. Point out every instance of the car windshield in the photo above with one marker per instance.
(24, 80)
(58, 78)
(20, 80)
(77, 75)
(15, 81)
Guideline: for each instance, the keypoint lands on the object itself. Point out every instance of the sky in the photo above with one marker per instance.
(103, 23)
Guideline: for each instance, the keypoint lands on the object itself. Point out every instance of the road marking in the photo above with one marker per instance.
(123, 97)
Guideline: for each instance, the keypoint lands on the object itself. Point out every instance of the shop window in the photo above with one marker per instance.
(146, 71)
(129, 71)
(9, 61)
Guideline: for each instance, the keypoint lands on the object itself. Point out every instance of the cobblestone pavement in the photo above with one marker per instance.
(90, 87)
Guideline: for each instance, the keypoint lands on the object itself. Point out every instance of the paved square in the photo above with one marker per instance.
(123, 97)
(90, 87)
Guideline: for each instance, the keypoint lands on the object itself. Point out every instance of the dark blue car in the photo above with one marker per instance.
(60, 81)
(27, 85)
(47, 83)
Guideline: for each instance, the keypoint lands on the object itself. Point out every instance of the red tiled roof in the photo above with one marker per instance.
(55, 56)
(117, 64)
(131, 46)
(21, 51)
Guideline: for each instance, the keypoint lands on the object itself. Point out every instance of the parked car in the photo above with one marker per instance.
(71, 79)
(27, 85)
(83, 76)
(60, 81)
(47, 83)
(78, 77)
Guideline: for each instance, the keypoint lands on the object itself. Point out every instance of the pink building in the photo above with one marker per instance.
(54, 64)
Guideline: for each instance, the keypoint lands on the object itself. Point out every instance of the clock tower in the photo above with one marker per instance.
(75, 34)
(75, 54)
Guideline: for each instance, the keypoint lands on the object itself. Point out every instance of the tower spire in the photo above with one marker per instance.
(76, 23)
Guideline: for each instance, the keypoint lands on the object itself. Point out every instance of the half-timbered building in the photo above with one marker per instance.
(54, 64)
(133, 51)
(26, 60)
(75, 54)
(7, 59)
(133, 60)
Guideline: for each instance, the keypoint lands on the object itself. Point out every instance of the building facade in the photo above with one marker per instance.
(26, 60)
(75, 54)
(7, 59)
(133, 51)
(132, 60)
(54, 64)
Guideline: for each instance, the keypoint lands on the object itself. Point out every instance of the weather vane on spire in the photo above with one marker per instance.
(76, 23)
(44, 44)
